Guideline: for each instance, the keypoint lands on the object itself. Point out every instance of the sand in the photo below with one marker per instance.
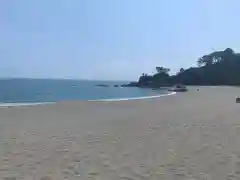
(192, 135)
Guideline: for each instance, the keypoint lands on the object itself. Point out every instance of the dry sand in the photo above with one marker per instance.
(193, 135)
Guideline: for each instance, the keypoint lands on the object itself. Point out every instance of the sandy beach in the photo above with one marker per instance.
(192, 135)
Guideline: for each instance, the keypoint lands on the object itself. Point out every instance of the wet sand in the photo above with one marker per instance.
(193, 135)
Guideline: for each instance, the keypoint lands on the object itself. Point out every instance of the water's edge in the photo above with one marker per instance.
(97, 100)
(135, 98)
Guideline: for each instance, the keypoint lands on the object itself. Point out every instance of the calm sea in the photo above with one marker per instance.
(46, 90)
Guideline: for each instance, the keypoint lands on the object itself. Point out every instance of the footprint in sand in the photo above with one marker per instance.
(180, 173)
(219, 146)
(203, 147)
(106, 164)
(126, 154)
(126, 172)
(46, 178)
(236, 125)
(92, 174)
(104, 157)
(113, 169)
(4, 168)
(5, 159)
(10, 178)
(216, 126)
(203, 176)
(97, 140)
(206, 133)
(231, 176)
(155, 128)
(223, 160)
(237, 167)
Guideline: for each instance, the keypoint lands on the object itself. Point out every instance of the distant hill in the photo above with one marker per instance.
(216, 68)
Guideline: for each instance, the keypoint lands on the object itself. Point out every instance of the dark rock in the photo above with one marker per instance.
(238, 100)
(179, 88)
(131, 84)
(102, 85)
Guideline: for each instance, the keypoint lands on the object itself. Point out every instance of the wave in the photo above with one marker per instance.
(135, 98)
(115, 99)
(24, 104)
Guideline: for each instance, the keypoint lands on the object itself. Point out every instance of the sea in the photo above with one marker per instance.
(55, 90)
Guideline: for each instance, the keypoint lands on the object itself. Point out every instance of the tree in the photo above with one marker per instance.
(229, 51)
(144, 74)
(181, 70)
(205, 60)
(216, 68)
(162, 70)
(227, 54)
(216, 57)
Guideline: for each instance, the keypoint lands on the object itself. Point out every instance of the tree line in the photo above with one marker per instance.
(216, 68)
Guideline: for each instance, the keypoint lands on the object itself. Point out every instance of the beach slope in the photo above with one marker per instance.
(192, 135)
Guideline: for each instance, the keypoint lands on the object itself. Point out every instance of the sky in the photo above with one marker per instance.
(111, 39)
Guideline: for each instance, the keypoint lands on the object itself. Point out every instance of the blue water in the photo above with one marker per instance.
(46, 90)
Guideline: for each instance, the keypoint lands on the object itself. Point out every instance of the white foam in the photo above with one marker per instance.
(23, 104)
(135, 98)
(116, 99)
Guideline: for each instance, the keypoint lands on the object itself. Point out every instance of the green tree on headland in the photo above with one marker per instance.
(216, 57)
(181, 70)
(216, 68)
(162, 70)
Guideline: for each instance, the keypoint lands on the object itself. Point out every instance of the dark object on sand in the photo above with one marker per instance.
(238, 100)
(197, 89)
(116, 85)
(179, 88)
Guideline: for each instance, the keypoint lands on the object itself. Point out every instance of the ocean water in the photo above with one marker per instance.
(46, 90)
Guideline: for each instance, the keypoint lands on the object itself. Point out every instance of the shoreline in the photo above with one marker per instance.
(24, 104)
(97, 100)
(133, 98)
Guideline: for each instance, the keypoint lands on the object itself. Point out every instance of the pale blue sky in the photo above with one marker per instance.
(111, 39)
